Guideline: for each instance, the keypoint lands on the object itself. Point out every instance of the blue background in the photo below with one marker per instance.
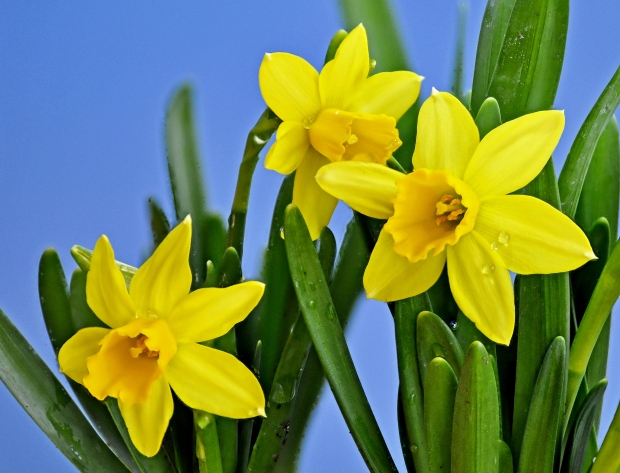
(83, 89)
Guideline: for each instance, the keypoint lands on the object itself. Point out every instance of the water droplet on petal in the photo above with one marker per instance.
(494, 246)
(504, 238)
(307, 122)
(488, 269)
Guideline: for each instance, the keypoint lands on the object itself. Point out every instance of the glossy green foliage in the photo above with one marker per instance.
(435, 339)
(608, 460)
(475, 430)
(328, 339)
(274, 429)
(529, 64)
(440, 386)
(488, 117)
(543, 426)
(575, 168)
(492, 32)
(160, 225)
(42, 396)
(411, 383)
(461, 31)
(579, 436)
(505, 458)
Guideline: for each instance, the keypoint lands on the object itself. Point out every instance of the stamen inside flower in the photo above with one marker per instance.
(140, 348)
(346, 136)
(449, 208)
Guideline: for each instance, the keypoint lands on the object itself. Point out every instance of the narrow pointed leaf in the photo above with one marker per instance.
(489, 117)
(575, 168)
(530, 62)
(492, 32)
(578, 442)
(542, 430)
(440, 387)
(608, 460)
(435, 339)
(461, 31)
(505, 458)
(82, 257)
(605, 295)
(160, 225)
(42, 396)
(475, 430)
(411, 384)
(328, 339)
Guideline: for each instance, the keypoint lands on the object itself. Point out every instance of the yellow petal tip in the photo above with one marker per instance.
(261, 412)
(434, 92)
(590, 255)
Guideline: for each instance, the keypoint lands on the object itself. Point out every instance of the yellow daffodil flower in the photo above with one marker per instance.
(153, 341)
(454, 206)
(340, 114)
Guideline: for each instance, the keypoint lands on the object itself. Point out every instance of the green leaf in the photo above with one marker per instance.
(599, 196)
(258, 137)
(328, 339)
(440, 386)
(81, 314)
(505, 458)
(54, 298)
(334, 44)
(461, 31)
(544, 314)
(411, 393)
(435, 339)
(608, 460)
(160, 226)
(492, 32)
(42, 396)
(489, 117)
(185, 171)
(605, 295)
(530, 61)
(466, 333)
(159, 463)
(579, 436)
(475, 431)
(542, 430)
(274, 429)
(82, 257)
(575, 168)
(208, 443)
(278, 307)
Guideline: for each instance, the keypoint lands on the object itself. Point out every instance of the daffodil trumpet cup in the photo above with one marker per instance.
(458, 208)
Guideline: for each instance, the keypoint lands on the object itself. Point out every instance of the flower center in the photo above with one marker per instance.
(450, 209)
(432, 209)
(341, 135)
(141, 349)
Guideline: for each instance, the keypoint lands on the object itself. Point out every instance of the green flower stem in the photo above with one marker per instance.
(207, 443)
(575, 169)
(605, 295)
(258, 137)
(461, 31)
(608, 460)
(328, 339)
(411, 394)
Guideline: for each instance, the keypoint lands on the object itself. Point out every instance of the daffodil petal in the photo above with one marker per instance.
(290, 86)
(368, 188)
(481, 287)
(447, 135)
(391, 277)
(316, 205)
(531, 236)
(165, 278)
(73, 354)
(106, 291)
(291, 145)
(216, 382)
(344, 75)
(387, 93)
(209, 313)
(147, 422)
(514, 153)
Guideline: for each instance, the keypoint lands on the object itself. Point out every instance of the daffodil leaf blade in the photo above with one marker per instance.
(578, 441)
(505, 458)
(542, 428)
(605, 294)
(328, 340)
(54, 298)
(159, 463)
(82, 315)
(406, 316)
(160, 225)
(435, 339)
(338, 37)
(440, 385)
(82, 257)
(579, 157)
(42, 396)
(607, 458)
(475, 431)
(488, 117)
(494, 24)
(461, 31)
(530, 62)
(274, 430)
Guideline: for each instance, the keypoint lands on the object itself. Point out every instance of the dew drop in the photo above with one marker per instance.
(453, 324)
(494, 246)
(504, 238)
(488, 269)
